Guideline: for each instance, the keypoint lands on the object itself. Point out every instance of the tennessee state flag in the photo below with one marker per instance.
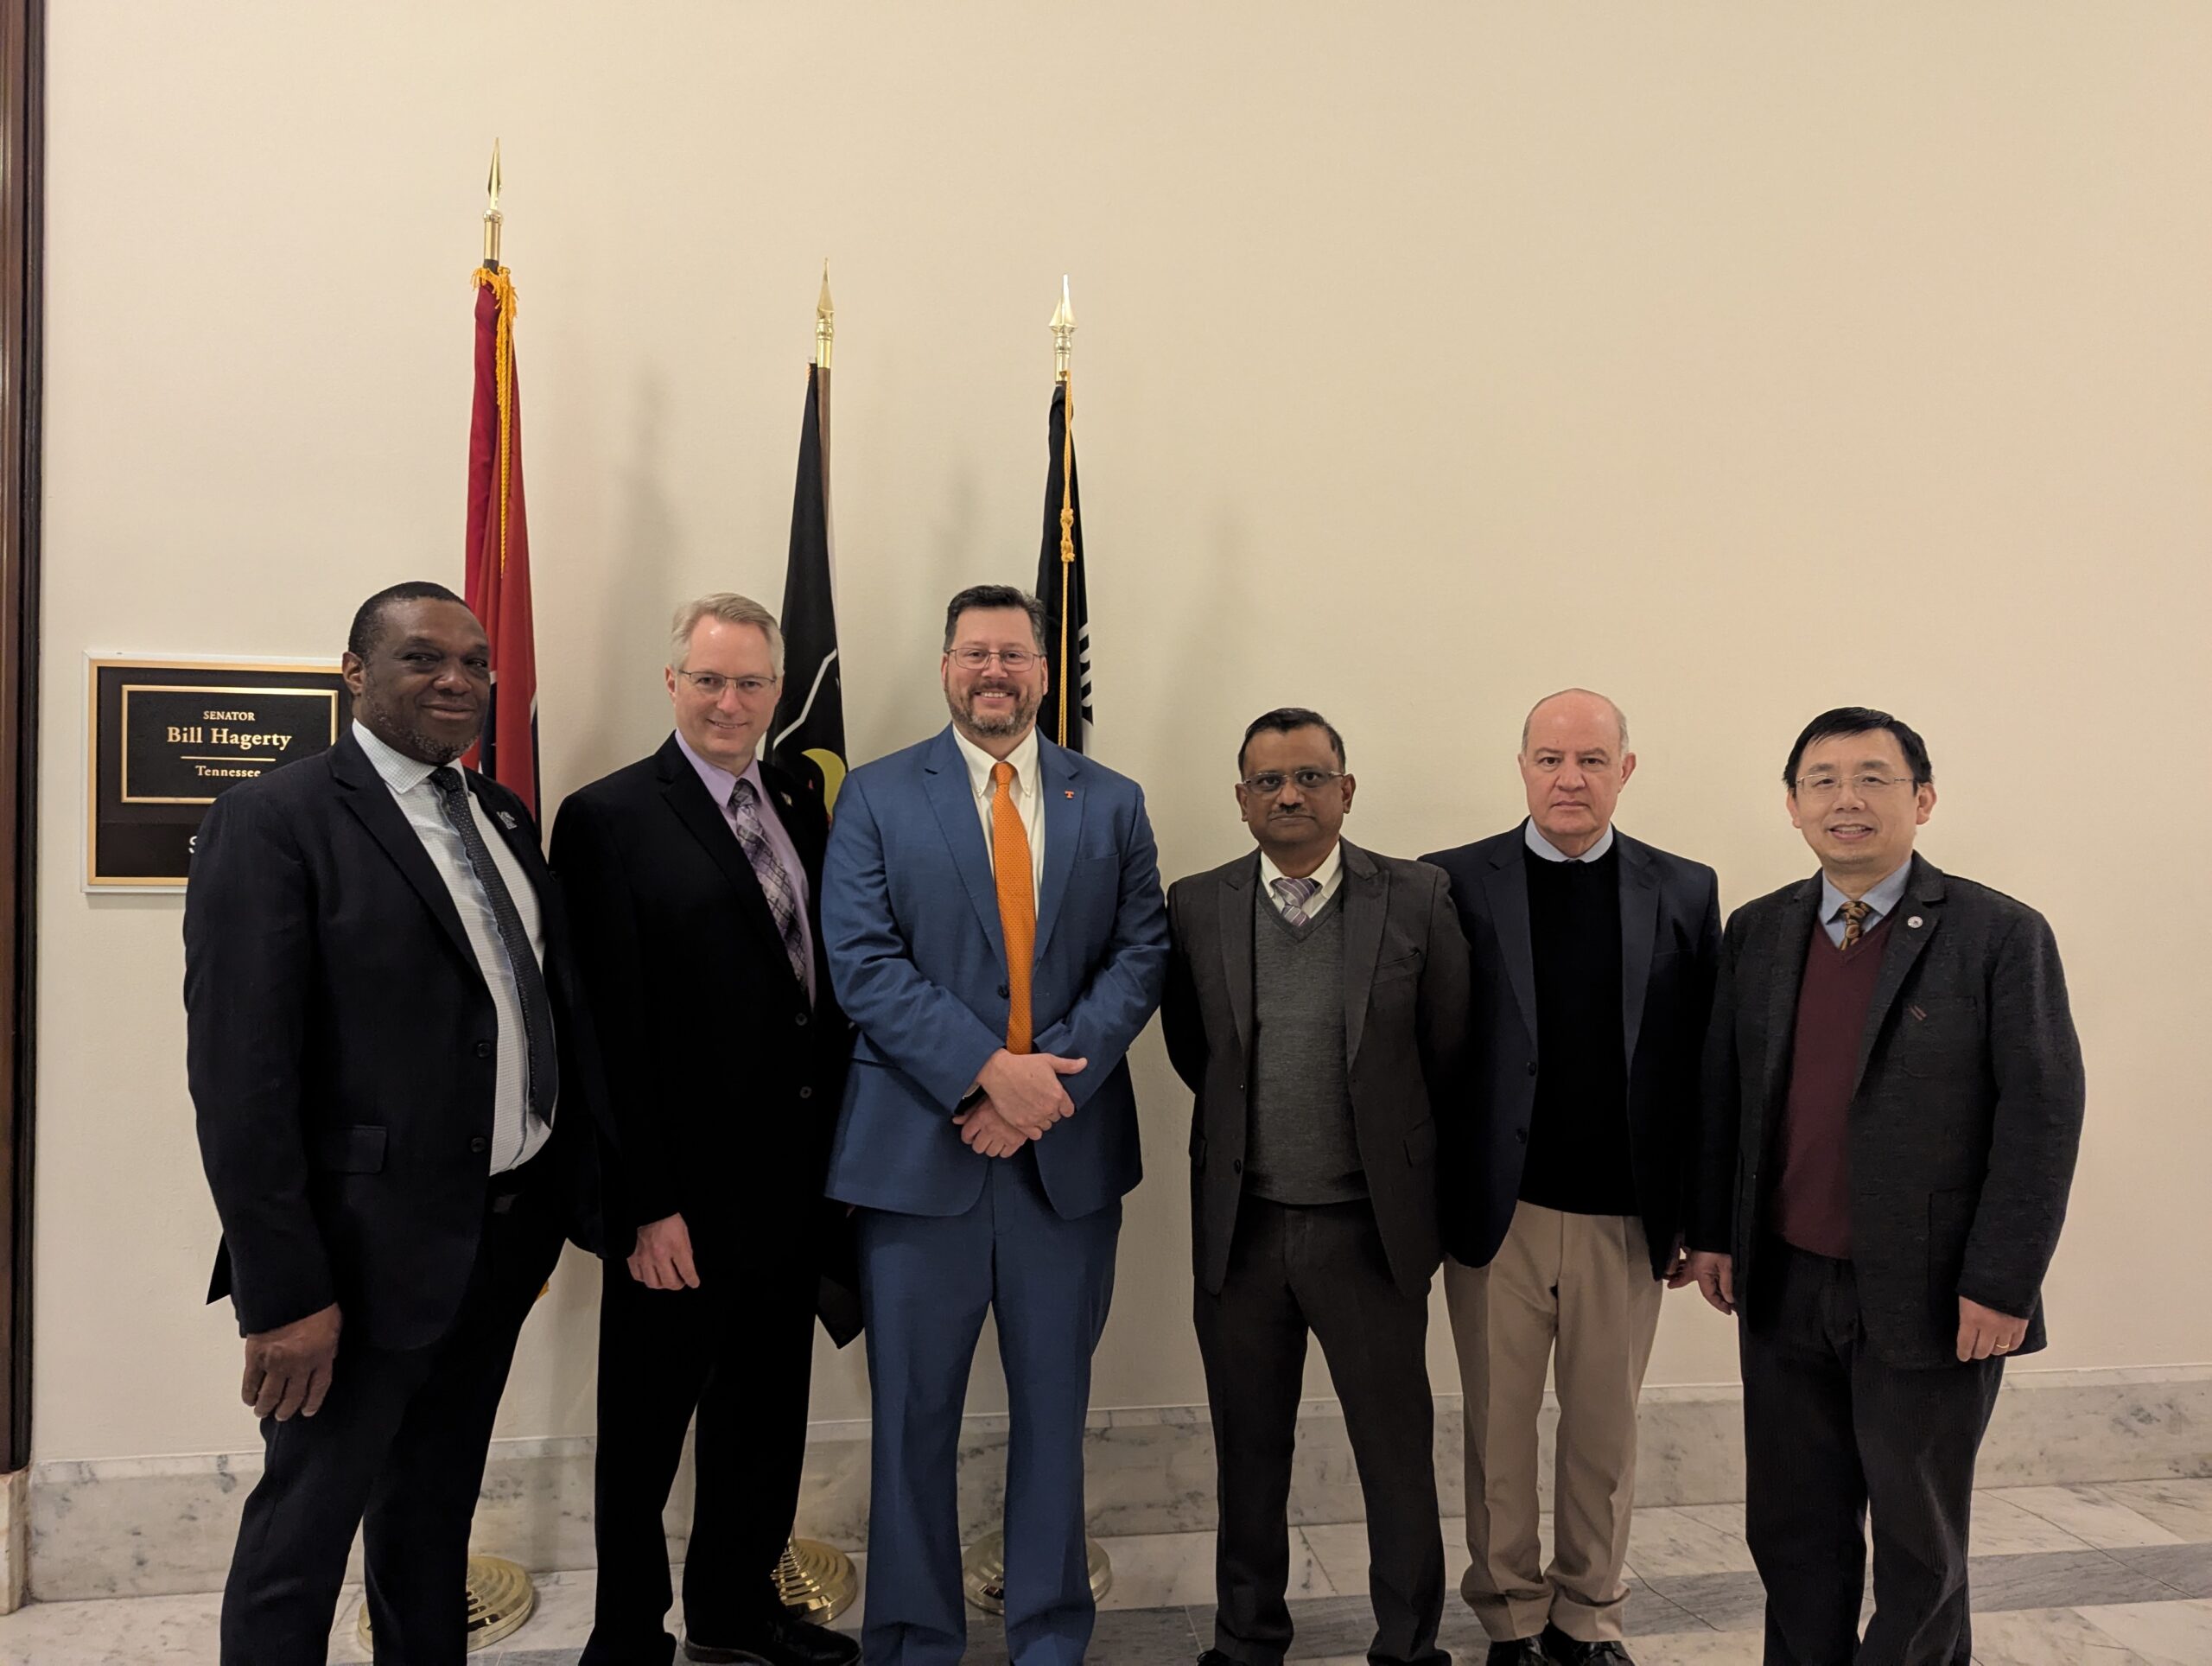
(498, 589)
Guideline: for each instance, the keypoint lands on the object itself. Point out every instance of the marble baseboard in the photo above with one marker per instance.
(154, 1526)
(15, 1540)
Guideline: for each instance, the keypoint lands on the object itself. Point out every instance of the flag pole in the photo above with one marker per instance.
(1062, 350)
(501, 1595)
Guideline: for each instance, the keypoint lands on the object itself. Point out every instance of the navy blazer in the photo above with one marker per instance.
(1670, 949)
(909, 918)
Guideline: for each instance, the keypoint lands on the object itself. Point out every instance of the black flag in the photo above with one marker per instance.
(808, 735)
(1059, 587)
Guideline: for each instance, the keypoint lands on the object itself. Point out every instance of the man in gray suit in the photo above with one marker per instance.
(1893, 1103)
(1317, 1004)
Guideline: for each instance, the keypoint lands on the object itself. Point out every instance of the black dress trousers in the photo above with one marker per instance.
(1831, 1434)
(1319, 1268)
(397, 1452)
(739, 1351)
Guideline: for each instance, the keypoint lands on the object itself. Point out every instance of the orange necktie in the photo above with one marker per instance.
(1017, 903)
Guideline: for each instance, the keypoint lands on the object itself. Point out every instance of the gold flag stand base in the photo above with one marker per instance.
(982, 1572)
(815, 1582)
(500, 1598)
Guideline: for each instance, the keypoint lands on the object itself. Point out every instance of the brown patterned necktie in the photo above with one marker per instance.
(1854, 921)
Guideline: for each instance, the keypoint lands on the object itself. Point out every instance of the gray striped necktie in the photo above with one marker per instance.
(1295, 895)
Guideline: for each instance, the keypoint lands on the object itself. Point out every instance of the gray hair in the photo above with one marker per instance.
(732, 610)
(1620, 720)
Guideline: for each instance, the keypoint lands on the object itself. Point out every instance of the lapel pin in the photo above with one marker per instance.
(1913, 924)
(786, 798)
(1070, 792)
(507, 821)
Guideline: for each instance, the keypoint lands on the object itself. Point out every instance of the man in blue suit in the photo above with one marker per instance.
(992, 912)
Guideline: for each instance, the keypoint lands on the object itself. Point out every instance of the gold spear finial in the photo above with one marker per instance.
(825, 321)
(491, 215)
(1063, 330)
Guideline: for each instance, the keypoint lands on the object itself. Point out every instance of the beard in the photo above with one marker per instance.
(1018, 716)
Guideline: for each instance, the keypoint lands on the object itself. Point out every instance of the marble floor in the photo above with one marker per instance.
(2119, 1574)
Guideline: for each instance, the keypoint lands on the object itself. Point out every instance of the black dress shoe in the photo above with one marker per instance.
(1215, 1657)
(1522, 1651)
(1572, 1651)
(786, 1643)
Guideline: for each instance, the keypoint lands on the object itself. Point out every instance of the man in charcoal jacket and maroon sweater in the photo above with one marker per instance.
(1893, 1102)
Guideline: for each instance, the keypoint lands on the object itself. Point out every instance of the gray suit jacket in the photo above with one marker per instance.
(1406, 1005)
(1964, 1119)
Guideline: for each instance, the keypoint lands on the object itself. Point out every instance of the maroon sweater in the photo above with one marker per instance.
(1812, 1191)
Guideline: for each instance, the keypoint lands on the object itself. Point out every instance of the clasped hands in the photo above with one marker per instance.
(1022, 1098)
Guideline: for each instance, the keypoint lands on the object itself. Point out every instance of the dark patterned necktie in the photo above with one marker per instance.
(1295, 895)
(775, 884)
(521, 959)
(1854, 921)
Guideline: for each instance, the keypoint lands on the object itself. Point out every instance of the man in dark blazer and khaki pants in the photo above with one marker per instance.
(1316, 1006)
(1893, 1104)
(1593, 957)
(694, 876)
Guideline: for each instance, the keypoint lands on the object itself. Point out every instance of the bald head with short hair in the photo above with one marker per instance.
(1620, 723)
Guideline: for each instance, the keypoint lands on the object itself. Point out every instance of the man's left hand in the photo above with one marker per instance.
(1984, 1332)
(983, 1130)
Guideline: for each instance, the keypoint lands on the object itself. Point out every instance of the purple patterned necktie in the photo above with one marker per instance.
(775, 884)
(1294, 894)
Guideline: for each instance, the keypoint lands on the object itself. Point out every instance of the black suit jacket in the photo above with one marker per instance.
(1964, 1119)
(723, 1079)
(1405, 1044)
(1670, 944)
(340, 1044)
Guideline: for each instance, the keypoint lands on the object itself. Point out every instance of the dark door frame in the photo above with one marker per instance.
(23, 123)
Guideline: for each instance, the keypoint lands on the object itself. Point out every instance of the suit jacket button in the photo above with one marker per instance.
(483, 1049)
(806, 1093)
(1521, 1135)
(800, 1021)
(479, 1144)
(1532, 1067)
(1236, 1165)
(1004, 992)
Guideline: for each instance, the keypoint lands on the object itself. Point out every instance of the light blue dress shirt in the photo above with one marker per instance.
(1883, 900)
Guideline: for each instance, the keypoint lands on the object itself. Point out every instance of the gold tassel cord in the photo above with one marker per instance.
(502, 292)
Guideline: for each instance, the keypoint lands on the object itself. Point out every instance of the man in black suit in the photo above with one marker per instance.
(1893, 1104)
(394, 1091)
(1593, 957)
(1316, 1006)
(694, 875)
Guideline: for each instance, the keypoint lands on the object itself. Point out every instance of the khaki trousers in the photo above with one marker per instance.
(1574, 1292)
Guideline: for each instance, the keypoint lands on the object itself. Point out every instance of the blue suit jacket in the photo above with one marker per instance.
(910, 920)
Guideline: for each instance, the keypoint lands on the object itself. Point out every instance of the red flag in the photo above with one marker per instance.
(498, 545)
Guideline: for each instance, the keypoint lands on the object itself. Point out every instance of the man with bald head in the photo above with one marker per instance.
(1593, 957)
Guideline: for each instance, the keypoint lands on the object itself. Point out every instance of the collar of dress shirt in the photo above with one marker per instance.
(400, 773)
(980, 764)
(718, 781)
(1883, 899)
(1331, 865)
(1550, 852)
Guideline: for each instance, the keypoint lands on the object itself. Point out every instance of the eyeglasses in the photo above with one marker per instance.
(1826, 787)
(711, 684)
(1014, 659)
(1268, 782)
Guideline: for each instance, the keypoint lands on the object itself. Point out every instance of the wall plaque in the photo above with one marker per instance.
(168, 737)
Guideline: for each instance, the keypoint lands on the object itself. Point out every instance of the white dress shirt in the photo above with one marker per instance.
(1330, 873)
(1550, 852)
(1028, 797)
(517, 1135)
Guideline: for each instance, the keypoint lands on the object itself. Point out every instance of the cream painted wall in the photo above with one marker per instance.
(1738, 361)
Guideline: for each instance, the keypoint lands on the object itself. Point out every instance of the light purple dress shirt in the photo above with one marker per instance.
(719, 783)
